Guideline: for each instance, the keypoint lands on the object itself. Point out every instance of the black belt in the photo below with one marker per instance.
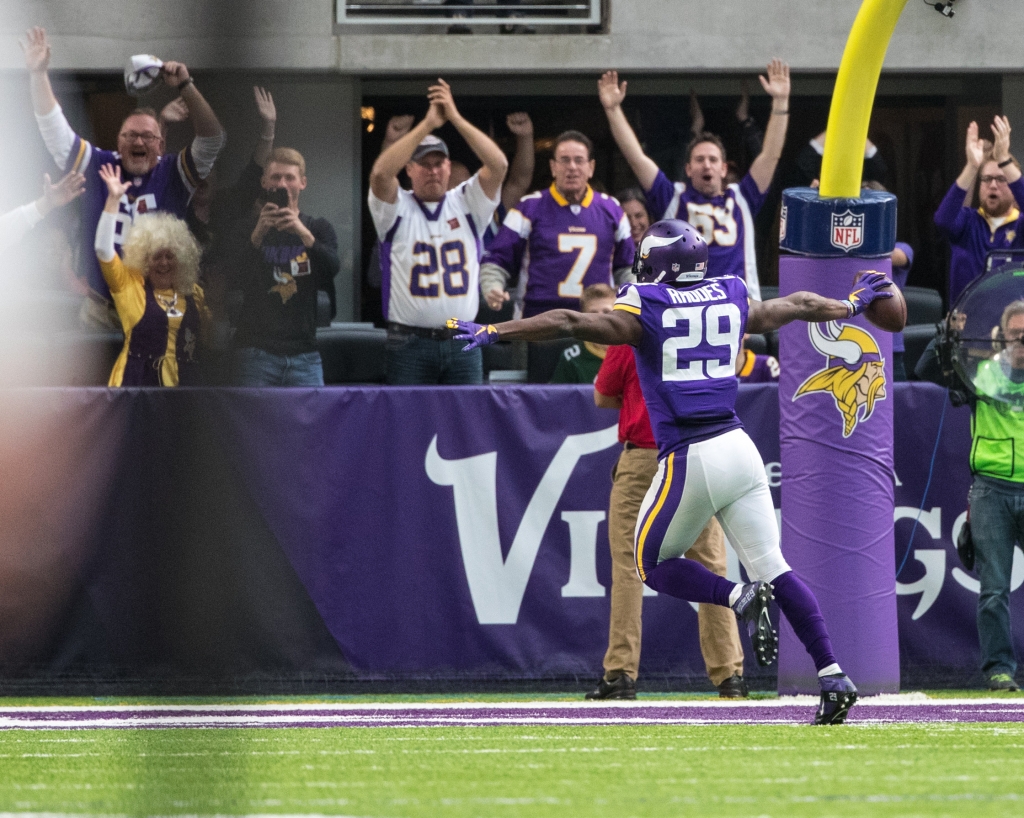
(422, 332)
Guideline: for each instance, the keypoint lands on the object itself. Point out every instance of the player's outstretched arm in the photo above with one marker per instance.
(616, 327)
(495, 164)
(611, 94)
(762, 169)
(384, 173)
(765, 316)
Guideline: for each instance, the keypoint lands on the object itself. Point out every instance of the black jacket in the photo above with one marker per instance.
(279, 282)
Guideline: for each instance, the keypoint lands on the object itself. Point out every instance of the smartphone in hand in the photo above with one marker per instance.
(278, 196)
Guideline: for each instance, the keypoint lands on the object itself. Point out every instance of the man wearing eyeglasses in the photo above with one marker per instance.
(559, 241)
(158, 181)
(996, 225)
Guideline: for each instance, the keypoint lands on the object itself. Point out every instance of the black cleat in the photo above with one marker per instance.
(1002, 681)
(733, 688)
(838, 695)
(621, 687)
(752, 608)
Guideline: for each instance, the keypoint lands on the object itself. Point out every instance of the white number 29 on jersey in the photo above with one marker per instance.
(703, 324)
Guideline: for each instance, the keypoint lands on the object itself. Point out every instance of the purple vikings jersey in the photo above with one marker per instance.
(726, 222)
(758, 368)
(686, 357)
(494, 225)
(167, 188)
(558, 249)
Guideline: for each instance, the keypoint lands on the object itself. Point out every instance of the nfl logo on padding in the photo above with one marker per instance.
(847, 230)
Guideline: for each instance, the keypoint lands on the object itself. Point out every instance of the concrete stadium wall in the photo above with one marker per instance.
(649, 35)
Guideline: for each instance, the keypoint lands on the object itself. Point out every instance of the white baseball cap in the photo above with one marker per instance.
(141, 72)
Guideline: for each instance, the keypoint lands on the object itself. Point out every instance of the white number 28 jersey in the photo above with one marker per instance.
(430, 254)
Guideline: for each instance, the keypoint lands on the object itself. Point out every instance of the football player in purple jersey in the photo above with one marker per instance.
(724, 214)
(159, 181)
(686, 330)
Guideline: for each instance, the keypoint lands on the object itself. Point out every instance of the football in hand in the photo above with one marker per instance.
(889, 314)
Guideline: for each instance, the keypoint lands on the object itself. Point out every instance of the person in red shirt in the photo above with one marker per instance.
(617, 387)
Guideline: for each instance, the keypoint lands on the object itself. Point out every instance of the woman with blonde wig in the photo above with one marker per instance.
(162, 309)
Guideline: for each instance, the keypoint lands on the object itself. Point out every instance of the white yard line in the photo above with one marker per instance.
(121, 815)
(113, 724)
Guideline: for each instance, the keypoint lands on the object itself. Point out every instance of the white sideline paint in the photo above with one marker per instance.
(885, 699)
(124, 815)
(341, 714)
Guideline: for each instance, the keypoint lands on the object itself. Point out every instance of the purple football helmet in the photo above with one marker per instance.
(671, 252)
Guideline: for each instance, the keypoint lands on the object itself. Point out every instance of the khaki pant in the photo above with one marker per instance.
(719, 637)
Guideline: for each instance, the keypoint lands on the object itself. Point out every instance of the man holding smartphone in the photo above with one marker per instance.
(280, 263)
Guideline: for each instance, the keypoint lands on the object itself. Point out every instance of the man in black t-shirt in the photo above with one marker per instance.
(280, 260)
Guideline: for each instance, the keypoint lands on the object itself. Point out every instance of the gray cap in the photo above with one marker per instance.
(430, 144)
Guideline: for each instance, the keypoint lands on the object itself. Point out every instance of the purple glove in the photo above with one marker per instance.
(478, 335)
(870, 286)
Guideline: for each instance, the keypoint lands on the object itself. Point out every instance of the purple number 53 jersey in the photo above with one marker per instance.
(687, 354)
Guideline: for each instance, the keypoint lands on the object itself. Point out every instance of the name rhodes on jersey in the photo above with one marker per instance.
(709, 292)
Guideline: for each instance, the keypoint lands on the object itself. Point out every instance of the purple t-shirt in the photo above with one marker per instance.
(726, 222)
(758, 368)
(971, 235)
(686, 357)
(167, 188)
(558, 249)
(899, 276)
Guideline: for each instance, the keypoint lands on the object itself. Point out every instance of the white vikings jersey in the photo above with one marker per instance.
(430, 254)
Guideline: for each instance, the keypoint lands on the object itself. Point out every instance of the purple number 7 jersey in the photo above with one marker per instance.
(686, 360)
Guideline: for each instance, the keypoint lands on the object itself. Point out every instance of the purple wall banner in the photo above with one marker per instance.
(460, 533)
(457, 532)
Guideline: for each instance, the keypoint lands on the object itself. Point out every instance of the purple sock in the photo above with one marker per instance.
(691, 581)
(801, 609)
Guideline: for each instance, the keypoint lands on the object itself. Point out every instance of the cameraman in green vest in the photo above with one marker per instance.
(997, 493)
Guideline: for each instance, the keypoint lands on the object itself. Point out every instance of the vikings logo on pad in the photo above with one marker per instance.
(854, 374)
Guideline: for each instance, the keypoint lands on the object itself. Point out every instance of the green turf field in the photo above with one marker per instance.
(651, 770)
